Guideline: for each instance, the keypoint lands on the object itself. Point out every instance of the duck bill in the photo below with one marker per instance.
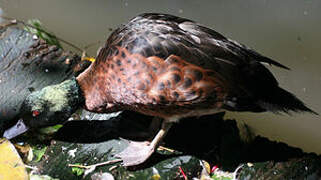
(16, 130)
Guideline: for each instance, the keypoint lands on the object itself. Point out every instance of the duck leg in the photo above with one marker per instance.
(154, 126)
(138, 152)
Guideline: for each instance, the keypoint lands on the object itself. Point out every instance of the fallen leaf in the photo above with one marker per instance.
(11, 165)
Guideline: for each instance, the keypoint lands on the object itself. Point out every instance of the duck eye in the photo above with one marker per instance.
(35, 113)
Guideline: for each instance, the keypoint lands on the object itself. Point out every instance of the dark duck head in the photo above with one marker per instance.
(49, 106)
(165, 66)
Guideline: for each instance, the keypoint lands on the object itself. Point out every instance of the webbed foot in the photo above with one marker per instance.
(136, 153)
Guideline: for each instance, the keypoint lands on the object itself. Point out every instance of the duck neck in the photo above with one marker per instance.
(64, 97)
(73, 93)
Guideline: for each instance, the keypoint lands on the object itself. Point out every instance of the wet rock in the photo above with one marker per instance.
(27, 64)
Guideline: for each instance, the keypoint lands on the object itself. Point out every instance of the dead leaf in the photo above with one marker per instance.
(11, 165)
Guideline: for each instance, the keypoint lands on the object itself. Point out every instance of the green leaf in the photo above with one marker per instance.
(77, 171)
(50, 130)
(39, 152)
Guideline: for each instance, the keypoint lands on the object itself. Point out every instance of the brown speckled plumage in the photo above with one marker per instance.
(165, 65)
(138, 82)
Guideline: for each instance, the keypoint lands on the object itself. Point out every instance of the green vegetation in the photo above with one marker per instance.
(77, 171)
(34, 26)
(39, 152)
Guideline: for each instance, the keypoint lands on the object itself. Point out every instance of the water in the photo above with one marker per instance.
(1, 13)
(287, 31)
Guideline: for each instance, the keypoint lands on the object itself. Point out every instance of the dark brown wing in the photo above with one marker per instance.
(163, 35)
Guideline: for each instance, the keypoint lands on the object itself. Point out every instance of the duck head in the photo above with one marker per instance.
(49, 106)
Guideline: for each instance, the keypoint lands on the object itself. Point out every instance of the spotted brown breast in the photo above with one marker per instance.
(165, 65)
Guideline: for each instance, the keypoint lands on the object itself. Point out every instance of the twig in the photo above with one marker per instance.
(96, 165)
(113, 167)
(162, 148)
(11, 23)
(236, 171)
(31, 26)
(91, 44)
(31, 167)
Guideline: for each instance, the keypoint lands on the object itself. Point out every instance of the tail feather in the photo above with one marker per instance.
(282, 100)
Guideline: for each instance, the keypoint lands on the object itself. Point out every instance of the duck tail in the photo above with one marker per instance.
(279, 99)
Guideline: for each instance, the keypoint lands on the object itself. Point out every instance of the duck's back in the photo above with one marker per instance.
(161, 64)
